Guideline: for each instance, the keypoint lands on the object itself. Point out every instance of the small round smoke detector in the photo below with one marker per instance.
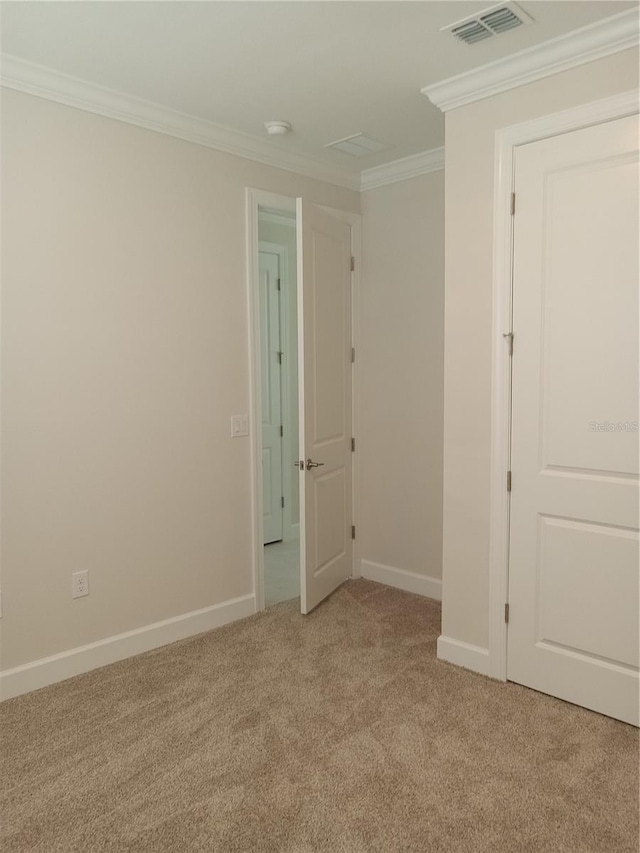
(277, 128)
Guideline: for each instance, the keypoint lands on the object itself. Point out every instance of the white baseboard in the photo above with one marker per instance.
(401, 579)
(463, 654)
(40, 673)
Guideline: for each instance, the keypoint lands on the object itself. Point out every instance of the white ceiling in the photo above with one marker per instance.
(332, 69)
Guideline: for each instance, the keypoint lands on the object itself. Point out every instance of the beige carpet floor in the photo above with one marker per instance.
(339, 731)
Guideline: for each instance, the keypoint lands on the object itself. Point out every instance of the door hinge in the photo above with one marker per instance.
(353, 355)
(513, 204)
(509, 338)
(353, 444)
(279, 285)
(506, 613)
(508, 481)
(280, 354)
(282, 502)
(353, 531)
(281, 431)
(353, 263)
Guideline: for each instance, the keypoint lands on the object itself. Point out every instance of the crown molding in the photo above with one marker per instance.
(595, 41)
(402, 170)
(44, 82)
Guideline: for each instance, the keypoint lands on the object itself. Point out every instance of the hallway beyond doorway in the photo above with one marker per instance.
(281, 571)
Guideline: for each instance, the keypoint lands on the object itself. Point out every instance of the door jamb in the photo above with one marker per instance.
(254, 199)
(506, 141)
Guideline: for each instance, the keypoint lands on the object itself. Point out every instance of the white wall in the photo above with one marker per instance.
(125, 352)
(400, 370)
(469, 188)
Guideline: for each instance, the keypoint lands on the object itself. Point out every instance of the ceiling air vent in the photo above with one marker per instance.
(492, 22)
(358, 145)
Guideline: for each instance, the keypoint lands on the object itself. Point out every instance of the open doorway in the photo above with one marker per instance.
(279, 396)
(314, 312)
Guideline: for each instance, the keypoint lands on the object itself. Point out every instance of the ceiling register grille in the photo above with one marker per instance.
(491, 22)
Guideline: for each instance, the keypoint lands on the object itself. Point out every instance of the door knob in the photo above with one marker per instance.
(311, 464)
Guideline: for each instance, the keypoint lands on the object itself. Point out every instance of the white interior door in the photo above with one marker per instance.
(271, 361)
(573, 569)
(324, 365)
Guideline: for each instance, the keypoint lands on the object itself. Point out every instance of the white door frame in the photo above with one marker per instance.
(260, 199)
(506, 141)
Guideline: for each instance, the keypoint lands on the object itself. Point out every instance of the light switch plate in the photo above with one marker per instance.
(239, 425)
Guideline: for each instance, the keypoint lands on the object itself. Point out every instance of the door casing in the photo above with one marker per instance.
(507, 140)
(256, 199)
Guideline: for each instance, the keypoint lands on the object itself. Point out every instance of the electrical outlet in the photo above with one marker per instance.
(80, 584)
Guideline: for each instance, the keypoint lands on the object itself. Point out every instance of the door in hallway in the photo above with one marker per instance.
(271, 379)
